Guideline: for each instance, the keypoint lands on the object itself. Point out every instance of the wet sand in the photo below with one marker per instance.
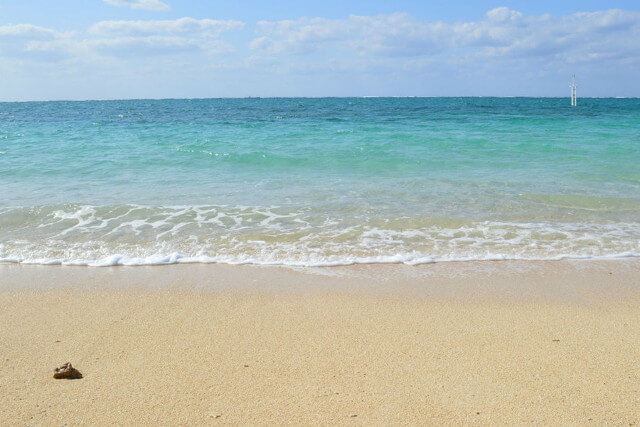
(474, 343)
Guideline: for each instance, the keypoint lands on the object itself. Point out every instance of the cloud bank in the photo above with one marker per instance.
(502, 33)
(397, 53)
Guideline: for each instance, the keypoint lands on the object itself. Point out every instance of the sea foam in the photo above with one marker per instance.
(146, 235)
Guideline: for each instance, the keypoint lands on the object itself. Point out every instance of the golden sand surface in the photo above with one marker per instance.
(459, 343)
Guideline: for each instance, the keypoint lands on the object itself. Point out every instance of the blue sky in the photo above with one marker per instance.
(106, 49)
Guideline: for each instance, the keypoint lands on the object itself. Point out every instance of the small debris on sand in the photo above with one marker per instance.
(66, 371)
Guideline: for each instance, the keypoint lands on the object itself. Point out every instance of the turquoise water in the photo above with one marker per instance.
(318, 181)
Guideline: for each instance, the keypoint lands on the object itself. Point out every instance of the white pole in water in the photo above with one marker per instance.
(574, 92)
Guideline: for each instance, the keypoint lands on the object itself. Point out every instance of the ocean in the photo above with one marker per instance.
(318, 181)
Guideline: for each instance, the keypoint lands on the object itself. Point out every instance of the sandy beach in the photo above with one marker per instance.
(465, 343)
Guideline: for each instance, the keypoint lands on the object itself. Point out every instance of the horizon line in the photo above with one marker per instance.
(313, 97)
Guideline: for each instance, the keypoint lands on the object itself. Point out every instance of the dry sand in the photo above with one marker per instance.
(473, 343)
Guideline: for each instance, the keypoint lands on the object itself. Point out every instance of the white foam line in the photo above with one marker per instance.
(176, 258)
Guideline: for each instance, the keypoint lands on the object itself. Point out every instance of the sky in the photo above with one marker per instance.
(121, 49)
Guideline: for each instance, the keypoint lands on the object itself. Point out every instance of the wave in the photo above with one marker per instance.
(175, 258)
(151, 235)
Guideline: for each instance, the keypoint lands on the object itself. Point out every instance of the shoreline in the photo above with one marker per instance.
(474, 343)
(177, 259)
(491, 278)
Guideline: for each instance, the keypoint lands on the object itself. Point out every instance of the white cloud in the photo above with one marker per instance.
(503, 14)
(124, 39)
(578, 37)
(396, 34)
(154, 37)
(388, 45)
(139, 4)
(17, 40)
(205, 27)
(25, 31)
(503, 33)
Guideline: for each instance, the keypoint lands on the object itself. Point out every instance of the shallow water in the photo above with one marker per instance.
(318, 181)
